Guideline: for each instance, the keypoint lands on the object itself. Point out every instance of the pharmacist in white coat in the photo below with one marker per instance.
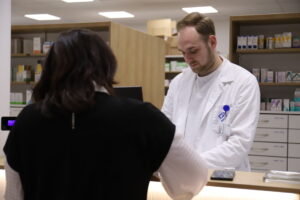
(214, 102)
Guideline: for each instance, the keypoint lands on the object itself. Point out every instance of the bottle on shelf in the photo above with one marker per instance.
(27, 74)
(20, 73)
(38, 71)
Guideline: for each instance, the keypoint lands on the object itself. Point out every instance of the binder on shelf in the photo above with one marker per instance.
(16, 45)
(27, 46)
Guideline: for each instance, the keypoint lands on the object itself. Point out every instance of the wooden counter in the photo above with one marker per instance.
(245, 186)
(254, 180)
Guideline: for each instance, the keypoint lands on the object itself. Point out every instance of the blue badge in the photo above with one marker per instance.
(222, 116)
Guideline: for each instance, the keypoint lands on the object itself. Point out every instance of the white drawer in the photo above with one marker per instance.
(272, 121)
(294, 135)
(259, 163)
(271, 135)
(294, 150)
(269, 149)
(294, 121)
(294, 164)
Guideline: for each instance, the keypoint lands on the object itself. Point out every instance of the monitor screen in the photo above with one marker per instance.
(7, 123)
(134, 92)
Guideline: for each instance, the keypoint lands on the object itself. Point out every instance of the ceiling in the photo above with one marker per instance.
(143, 10)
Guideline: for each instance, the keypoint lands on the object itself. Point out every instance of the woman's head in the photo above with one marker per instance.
(77, 61)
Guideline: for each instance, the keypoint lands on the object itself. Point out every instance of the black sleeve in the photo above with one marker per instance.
(12, 147)
(159, 135)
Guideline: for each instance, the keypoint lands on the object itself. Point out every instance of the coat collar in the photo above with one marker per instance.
(225, 78)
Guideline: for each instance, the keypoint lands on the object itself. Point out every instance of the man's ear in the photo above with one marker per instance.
(212, 39)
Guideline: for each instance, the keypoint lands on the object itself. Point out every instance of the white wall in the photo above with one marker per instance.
(222, 32)
(5, 38)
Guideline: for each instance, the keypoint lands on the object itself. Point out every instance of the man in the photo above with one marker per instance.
(214, 102)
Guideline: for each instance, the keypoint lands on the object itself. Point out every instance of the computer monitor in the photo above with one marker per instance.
(134, 92)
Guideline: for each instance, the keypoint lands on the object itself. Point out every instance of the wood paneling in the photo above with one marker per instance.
(140, 61)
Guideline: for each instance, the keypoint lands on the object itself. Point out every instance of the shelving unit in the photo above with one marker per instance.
(140, 56)
(258, 51)
(283, 59)
(27, 55)
(169, 75)
(281, 84)
(277, 137)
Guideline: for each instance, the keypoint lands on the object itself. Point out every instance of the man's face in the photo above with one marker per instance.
(198, 54)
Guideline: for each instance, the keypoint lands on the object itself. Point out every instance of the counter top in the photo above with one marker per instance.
(243, 180)
(254, 180)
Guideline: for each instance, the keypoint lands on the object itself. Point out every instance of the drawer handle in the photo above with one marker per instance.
(259, 149)
(265, 121)
(258, 164)
(262, 135)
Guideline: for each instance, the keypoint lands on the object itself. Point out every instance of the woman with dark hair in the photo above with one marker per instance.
(78, 141)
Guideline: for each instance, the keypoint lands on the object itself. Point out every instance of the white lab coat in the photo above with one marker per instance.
(222, 144)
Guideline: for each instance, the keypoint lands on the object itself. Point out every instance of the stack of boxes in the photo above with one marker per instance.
(279, 40)
(29, 46)
(282, 104)
(265, 75)
(296, 103)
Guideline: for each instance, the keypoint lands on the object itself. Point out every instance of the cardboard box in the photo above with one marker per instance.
(160, 27)
(172, 41)
(172, 51)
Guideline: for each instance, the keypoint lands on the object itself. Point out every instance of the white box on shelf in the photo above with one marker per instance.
(244, 42)
(281, 77)
(263, 75)
(286, 104)
(28, 96)
(254, 42)
(276, 105)
(270, 76)
(37, 45)
(27, 46)
(173, 65)
(249, 42)
(239, 42)
(256, 73)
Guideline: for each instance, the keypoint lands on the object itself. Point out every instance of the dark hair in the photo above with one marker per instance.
(77, 61)
(204, 25)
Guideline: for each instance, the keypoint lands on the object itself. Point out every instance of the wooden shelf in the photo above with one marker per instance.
(258, 51)
(174, 72)
(18, 105)
(174, 56)
(23, 83)
(281, 84)
(27, 55)
(280, 112)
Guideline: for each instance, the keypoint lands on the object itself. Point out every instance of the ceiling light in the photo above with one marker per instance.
(117, 14)
(204, 9)
(77, 1)
(42, 17)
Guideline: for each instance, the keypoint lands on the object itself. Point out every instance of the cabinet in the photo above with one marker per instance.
(277, 142)
(279, 59)
(140, 56)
